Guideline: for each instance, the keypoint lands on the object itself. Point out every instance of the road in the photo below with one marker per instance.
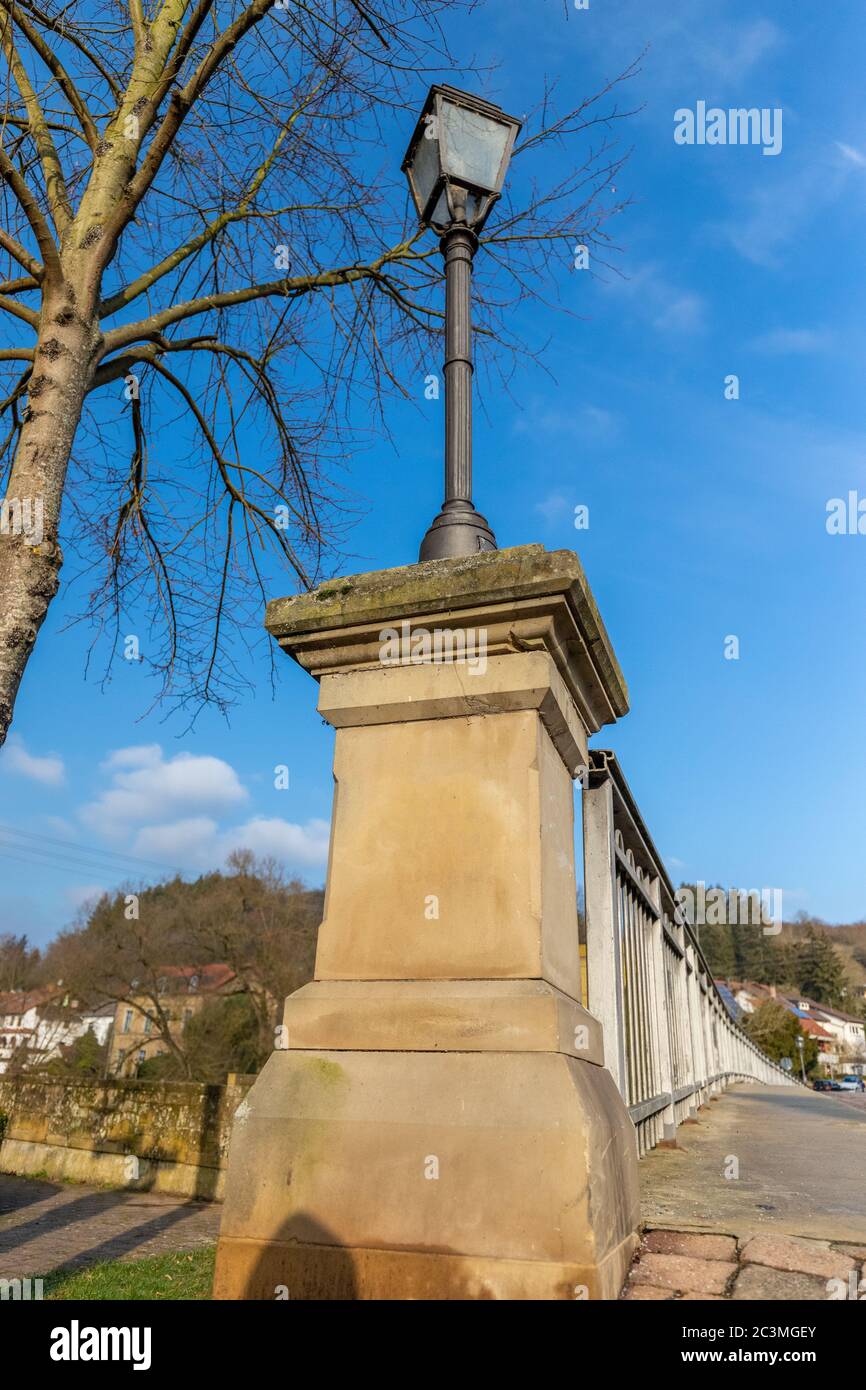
(764, 1197)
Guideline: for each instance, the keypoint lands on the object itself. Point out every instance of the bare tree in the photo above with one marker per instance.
(253, 919)
(210, 266)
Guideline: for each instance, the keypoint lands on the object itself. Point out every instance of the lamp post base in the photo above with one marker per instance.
(457, 530)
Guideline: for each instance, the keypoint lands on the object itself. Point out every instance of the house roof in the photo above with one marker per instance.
(18, 1001)
(814, 1029)
(827, 1009)
(195, 979)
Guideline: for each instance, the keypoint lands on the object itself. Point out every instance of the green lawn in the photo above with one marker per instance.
(182, 1276)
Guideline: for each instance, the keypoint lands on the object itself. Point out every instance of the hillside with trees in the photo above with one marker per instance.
(825, 963)
(251, 918)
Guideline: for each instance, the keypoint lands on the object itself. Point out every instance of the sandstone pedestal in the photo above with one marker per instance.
(440, 1123)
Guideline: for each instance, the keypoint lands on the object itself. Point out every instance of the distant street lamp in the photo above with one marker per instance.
(456, 165)
(801, 1043)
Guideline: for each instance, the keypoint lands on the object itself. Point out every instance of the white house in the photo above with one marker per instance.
(44, 1021)
(848, 1030)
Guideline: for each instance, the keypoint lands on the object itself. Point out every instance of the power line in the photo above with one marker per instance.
(46, 851)
(109, 859)
(73, 845)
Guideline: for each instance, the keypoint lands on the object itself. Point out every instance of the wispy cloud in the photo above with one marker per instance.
(852, 155)
(770, 219)
(585, 422)
(732, 51)
(684, 313)
(49, 769)
(793, 341)
(553, 507)
(671, 308)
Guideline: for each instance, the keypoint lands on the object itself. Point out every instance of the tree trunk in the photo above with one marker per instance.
(67, 349)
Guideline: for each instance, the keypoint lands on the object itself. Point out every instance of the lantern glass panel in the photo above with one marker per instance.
(473, 146)
(425, 165)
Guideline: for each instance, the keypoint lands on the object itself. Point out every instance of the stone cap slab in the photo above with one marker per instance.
(525, 598)
(441, 1016)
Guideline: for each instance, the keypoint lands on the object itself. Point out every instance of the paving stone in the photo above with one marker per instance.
(45, 1226)
(760, 1281)
(699, 1246)
(645, 1292)
(857, 1252)
(683, 1272)
(799, 1256)
(704, 1297)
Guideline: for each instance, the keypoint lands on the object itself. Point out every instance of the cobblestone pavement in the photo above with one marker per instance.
(688, 1265)
(45, 1226)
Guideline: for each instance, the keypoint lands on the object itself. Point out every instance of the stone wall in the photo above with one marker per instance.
(143, 1135)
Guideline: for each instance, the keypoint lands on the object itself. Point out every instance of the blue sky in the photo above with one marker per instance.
(707, 515)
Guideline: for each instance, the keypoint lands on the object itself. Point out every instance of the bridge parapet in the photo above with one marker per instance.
(670, 1042)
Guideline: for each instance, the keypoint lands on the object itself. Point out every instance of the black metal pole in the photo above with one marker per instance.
(458, 529)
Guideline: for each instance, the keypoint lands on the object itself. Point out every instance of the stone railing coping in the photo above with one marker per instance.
(433, 586)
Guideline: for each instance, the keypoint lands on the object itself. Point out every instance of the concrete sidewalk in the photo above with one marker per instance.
(764, 1197)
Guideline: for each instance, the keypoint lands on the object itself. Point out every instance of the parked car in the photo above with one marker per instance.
(825, 1084)
(852, 1083)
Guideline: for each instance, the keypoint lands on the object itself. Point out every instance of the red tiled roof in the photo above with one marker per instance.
(208, 977)
(18, 1001)
(809, 1025)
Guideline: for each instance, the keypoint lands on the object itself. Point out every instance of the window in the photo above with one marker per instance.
(127, 1021)
(148, 1024)
(187, 1015)
(141, 1054)
(193, 982)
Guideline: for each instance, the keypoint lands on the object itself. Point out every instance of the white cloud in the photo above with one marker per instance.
(787, 341)
(137, 755)
(148, 788)
(48, 769)
(190, 842)
(303, 845)
(179, 811)
(199, 843)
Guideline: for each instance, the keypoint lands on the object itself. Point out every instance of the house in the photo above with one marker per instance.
(743, 997)
(177, 993)
(827, 1045)
(847, 1030)
(45, 1021)
(62, 1021)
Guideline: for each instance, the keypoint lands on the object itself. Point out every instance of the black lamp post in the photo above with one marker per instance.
(456, 165)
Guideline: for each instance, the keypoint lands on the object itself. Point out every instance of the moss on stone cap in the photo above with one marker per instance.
(494, 576)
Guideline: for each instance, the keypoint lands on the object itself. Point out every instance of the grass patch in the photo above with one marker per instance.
(187, 1275)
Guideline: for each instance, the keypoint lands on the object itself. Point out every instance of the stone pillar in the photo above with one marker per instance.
(441, 1123)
